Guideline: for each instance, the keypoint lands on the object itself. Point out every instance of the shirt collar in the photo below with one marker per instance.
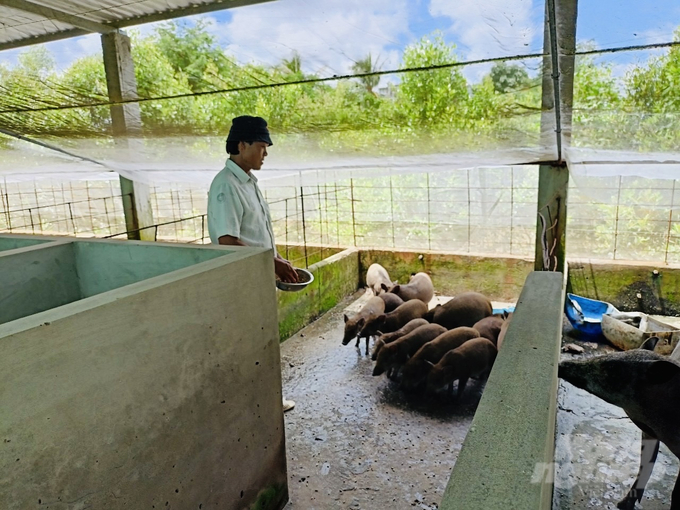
(240, 174)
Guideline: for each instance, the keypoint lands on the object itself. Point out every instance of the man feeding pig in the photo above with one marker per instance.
(237, 212)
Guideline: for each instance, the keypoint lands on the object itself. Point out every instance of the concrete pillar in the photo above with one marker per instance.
(559, 44)
(127, 124)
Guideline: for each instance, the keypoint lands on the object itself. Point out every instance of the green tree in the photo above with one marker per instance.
(293, 66)
(508, 77)
(364, 66)
(655, 87)
(86, 81)
(433, 97)
(192, 51)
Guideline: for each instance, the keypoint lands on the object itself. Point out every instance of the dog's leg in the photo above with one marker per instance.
(648, 453)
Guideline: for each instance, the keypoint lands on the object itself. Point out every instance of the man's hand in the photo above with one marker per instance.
(284, 270)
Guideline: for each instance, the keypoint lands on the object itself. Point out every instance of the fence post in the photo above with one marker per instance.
(429, 233)
(394, 244)
(616, 219)
(337, 212)
(304, 228)
(286, 216)
(354, 227)
(469, 211)
(670, 223)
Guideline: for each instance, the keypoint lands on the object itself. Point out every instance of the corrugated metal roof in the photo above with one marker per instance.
(26, 22)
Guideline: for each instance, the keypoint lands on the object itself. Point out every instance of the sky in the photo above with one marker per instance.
(331, 35)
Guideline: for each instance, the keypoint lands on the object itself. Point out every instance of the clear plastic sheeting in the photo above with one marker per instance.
(624, 206)
(429, 144)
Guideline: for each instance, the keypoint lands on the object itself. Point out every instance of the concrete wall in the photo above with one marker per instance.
(334, 278)
(37, 278)
(12, 242)
(635, 286)
(164, 393)
(500, 279)
(106, 265)
(506, 458)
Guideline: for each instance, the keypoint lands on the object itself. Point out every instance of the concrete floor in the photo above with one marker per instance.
(597, 449)
(356, 441)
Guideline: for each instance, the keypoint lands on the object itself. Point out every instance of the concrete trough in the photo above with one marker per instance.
(139, 375)
(16, 241)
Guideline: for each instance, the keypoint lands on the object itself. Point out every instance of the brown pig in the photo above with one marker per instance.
(474, 358)
(416, 369)
(392, 301)
(386, 338)
(353, 327)
(504, 330)
(419, 287)
(377, 279)
(463, 310)
(389, 322)
(395, 354)
(490, 327)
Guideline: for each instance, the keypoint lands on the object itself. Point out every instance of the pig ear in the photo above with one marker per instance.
(361, 322)
(650, 343)
(662, 371)
(384, 287)
(346, 318)
(395, 289)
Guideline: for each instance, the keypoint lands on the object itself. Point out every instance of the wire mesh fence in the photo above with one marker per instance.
(625, 218)
(55, 207)
(488, 211)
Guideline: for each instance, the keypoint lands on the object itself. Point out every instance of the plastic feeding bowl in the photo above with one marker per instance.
(304, 279)
(586, 314)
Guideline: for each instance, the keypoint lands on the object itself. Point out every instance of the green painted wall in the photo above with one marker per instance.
(619, 284)
(103, 266)
(12, 243)
(500, 279)
(334, 278)
(36, 280)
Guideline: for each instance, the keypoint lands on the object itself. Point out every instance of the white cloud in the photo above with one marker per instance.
(328, 35)
(492, 28)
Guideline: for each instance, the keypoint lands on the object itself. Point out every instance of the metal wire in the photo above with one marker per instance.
(452, 212)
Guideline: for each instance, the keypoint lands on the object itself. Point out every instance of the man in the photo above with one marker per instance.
(237, 212)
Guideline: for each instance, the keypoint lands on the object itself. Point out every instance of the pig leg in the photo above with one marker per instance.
(461, 385)
(367, 339)
(450, 390)
(648, 452)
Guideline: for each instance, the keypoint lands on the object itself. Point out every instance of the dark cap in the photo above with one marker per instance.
(249, 129)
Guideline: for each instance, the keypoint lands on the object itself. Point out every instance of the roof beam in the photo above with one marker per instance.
(216, 5)
(190, 10)
(56, 15)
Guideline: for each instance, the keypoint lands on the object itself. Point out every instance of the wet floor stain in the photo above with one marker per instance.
(355, 441)
(358, 441)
